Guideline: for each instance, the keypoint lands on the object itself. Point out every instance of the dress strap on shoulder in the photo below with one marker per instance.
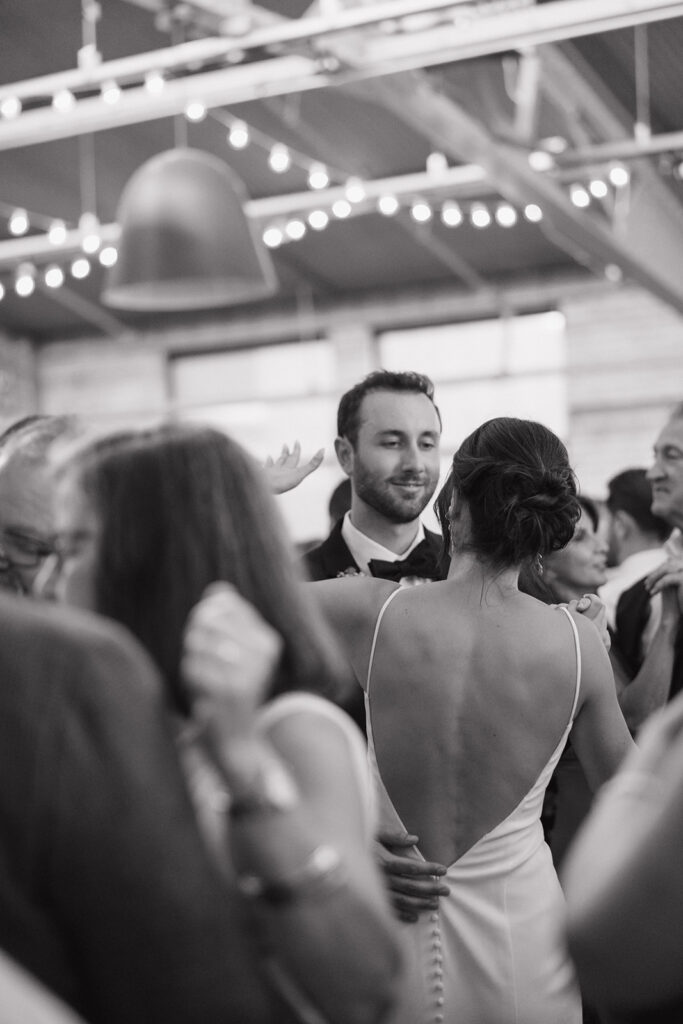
(577, 647)
(378, 623)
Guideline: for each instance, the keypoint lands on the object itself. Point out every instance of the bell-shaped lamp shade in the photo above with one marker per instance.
(186, 242)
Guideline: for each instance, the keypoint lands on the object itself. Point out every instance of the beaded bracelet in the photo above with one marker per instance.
(321, 873)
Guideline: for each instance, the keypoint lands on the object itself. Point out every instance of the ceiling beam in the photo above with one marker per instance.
(589, 239)
(373, 54)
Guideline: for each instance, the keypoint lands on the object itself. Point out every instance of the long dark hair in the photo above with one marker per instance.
(180, 506)
(514, 475)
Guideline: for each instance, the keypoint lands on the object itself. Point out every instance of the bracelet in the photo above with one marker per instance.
(321, 873)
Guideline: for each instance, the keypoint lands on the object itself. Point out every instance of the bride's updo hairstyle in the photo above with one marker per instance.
(514, 475)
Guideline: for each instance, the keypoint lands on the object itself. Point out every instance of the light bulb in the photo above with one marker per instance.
(421, 212)
(279, 158)
(318, 176)
(506, 215)
(598, 188)
(579, 196)
(388, 205)
(341, 208)
(238, 136)
(111, 92)
(108, 256)
(272, 237)
(154, 82)
(2, 291)
(533, 212)
(619, 176)
(80, 268)
(451, 214)
(10, 107)
(57, 232)
(480, 216)
(54, 276)
(63, 101)
(25, 281)
(318, 219)
(195, 111)
(18, 222)
(354, 190)
(295, 229)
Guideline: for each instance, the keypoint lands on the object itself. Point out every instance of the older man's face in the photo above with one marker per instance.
(666, 473)
(26, 525)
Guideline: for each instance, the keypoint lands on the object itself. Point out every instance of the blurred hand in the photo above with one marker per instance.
(667, 575)
(229, 656)
(414, 885)
(591, 607)
(285, 472)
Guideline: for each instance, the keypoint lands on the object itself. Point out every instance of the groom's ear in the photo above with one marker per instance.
(344, 450)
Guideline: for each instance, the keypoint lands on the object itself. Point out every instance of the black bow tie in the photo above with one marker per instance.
(421, 562)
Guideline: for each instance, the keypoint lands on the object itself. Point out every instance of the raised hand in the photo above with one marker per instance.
(286, 472)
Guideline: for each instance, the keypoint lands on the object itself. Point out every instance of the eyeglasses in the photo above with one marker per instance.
(23, 550)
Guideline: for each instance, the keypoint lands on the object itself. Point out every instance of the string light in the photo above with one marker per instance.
(63, 101)
(2, 291)
(279, 158)
(295, 229)
(154, 82)
(579, 196)
(80, 268)
(341, 208)
(57, 232)
(436, 163)
(318, 176)
(506, 215)
(89, 227)
(111, 92)
(451, 214)
(421, 211)
(54, 276)
(598, 188)
(354, 190)
(25, 280)
(238, 135)
(318, 220)
(273, 237)
(539, 160)
(533, 212)
(195, 111)
(10, 107)
(18, 222)
(619, 176)
(388, 205)
(479, 215)
(108, 256)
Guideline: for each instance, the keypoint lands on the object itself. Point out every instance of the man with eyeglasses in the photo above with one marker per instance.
(26, 533)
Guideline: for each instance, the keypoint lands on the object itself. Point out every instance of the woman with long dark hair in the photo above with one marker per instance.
(146, 521)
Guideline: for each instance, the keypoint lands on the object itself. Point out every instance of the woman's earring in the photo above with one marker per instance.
(538, 564)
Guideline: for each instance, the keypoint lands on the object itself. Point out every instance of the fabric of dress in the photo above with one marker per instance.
(493, 953)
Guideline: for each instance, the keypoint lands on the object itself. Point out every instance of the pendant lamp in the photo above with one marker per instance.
(186, 242)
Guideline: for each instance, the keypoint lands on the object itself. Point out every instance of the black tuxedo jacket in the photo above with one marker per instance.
(332, 557)
(633, 609)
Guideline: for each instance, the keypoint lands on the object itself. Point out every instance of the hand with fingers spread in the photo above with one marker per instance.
(414, 885)
(286, 472)
(591, 607)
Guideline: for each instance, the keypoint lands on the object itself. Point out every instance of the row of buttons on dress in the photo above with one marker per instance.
(436, 973)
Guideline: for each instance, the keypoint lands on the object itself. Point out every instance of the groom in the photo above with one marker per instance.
(388, 434)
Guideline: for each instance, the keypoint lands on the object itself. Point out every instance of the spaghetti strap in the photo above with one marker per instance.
(577, 647)
(380, 616)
